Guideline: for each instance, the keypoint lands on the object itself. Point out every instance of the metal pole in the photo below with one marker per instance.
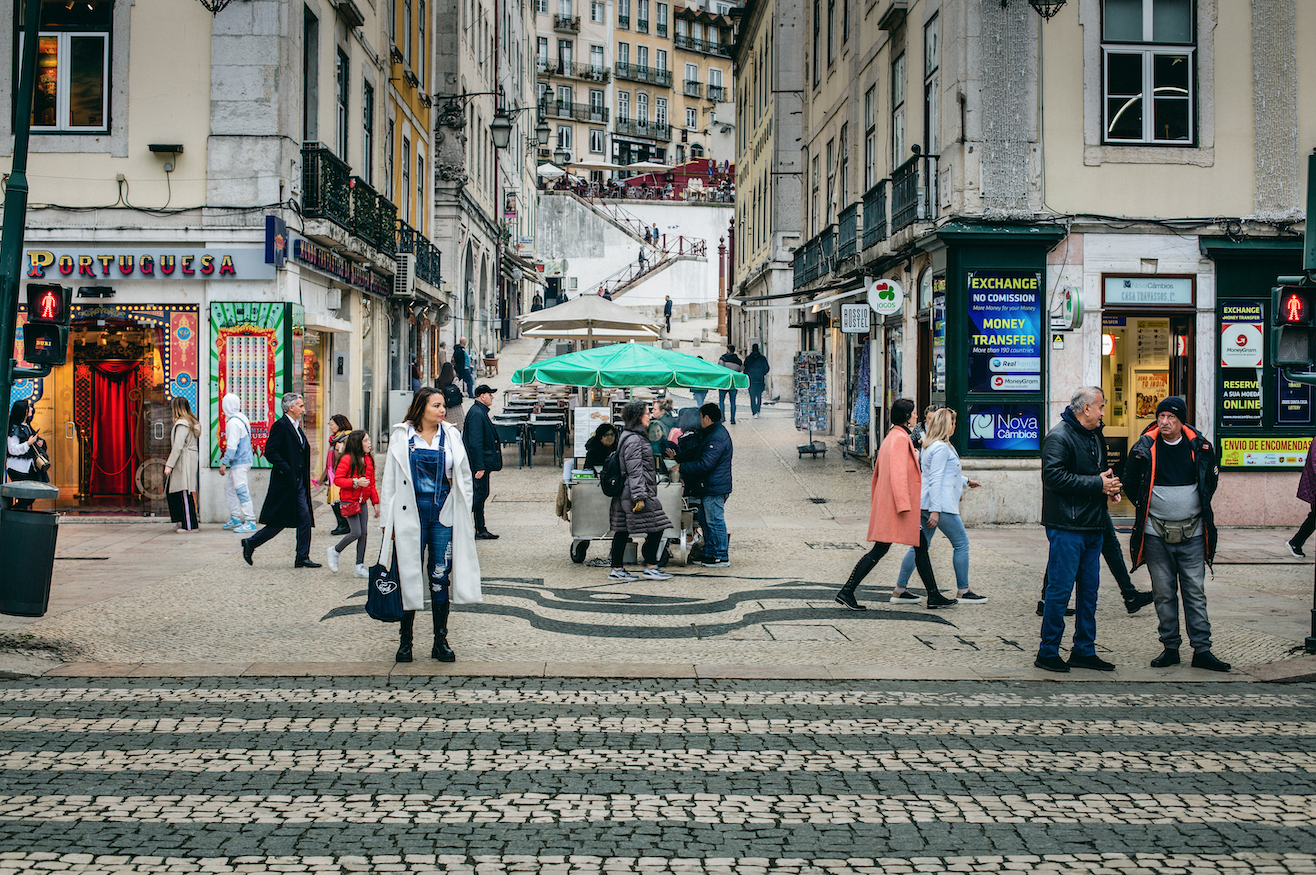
(721, 286)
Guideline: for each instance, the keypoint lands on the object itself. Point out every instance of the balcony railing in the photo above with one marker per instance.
(624, 22)
(717, 93)
(875, 214)
(567, 23)
(576, 70)
(816, 258)
(373, 217)
(427, 254)
(544, 65)
(913, 192)
(708, 47)
(661, 28)
(642, 25)
(691, 88)
(648, 130)
(581, 112)
(326, 185)
(638, 73)
(848, 233)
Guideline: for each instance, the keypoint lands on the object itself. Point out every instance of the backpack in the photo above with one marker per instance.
(613, 478)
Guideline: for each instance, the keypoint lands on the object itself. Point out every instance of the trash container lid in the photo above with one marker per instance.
(34, 489)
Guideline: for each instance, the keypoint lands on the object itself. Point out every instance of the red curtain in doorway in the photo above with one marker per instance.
(114, 427)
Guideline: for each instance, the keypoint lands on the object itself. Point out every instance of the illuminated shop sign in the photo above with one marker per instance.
(235, 263)
(322, 259)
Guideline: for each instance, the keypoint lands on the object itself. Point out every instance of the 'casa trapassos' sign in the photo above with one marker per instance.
(231, 263)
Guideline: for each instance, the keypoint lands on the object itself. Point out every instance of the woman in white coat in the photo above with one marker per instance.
(426, 496)
(943, 483)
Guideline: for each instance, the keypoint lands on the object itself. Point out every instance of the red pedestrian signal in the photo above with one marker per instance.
(1294, 307)
(48, 303)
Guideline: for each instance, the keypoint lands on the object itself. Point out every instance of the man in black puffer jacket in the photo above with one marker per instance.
(1075, 484)
(706, 472)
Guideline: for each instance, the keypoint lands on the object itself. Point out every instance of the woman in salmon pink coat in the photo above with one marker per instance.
(895, 519)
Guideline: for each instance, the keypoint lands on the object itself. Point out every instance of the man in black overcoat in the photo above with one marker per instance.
(288, 501)
(485, 452)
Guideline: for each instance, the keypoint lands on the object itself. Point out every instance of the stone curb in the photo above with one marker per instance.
(607, 670)
(1287, 671)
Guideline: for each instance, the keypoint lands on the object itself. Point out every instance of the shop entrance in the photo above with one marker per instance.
(1144, 359)
(107, 416)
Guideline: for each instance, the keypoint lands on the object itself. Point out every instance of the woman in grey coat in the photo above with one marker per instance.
(637, 510)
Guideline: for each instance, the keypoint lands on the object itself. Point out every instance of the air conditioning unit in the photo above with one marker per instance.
(571, 283)
(404, 281)
(333, 299)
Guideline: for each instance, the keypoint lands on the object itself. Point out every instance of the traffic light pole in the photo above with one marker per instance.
(1309, 271)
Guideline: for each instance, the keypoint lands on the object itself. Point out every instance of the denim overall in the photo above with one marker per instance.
(432, 490)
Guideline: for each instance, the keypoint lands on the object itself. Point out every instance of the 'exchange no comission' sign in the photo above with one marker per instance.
(1005, 331)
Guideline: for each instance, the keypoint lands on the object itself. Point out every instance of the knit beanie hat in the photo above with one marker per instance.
(1174, 404)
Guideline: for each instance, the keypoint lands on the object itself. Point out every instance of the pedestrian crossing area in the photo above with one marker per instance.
(653, 777)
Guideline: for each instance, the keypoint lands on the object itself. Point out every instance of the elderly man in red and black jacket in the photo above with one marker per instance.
(1171, 476)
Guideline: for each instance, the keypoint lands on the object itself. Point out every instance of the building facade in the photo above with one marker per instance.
(1102, 198)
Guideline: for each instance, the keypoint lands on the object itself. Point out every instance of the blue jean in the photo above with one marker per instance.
(436, 547)
(721, 402)
(713, 518)
(950, 525)
(755, 399)
(699, 395)
(1074, 560)
(1179, 571)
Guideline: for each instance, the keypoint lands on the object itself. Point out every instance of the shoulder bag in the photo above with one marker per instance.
(384, 595)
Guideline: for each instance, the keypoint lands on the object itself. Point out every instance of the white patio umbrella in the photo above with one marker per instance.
(552, 171)
(586, 317)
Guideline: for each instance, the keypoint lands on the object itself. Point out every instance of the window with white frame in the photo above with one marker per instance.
(596, 105)
(406, 30)
(596, 140)
(831, 179)
(662, 19)
(642, 107)
(813, 200)
(870, 138)
(564, 55)
(541, 52)
(420, 191)
(691, 117)
(420, 42)
(623, 104)
(596, 10)
(596, 60)
(564, 137)
(341, 84)
(1148, 64)
(817, 41)
(74, 45)
(660, 110)
(623, 13)
(843, 191)
(564, 8)
(898, 111)
(566, 96)
(660, 59)
(541, 6)
(368, 133)
(642, 55)
(623, 53)
(932, 85)
(406, 176)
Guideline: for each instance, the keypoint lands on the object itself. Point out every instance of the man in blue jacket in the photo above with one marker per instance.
(706, 472)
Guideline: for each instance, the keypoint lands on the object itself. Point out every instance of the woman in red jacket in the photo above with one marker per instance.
(356, 480)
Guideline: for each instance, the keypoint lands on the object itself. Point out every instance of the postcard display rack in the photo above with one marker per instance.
(811, 400)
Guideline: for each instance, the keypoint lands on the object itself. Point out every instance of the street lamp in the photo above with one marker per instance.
(561, 155)
(500, 129)
(1046, 8)
(543, 132)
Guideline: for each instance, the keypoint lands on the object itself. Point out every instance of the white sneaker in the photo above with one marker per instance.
(333, 559)
(360, 571)
(655, 574)
(246, 528)
(621, 574)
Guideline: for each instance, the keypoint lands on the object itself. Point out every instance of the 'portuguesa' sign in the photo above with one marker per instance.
(233, 263)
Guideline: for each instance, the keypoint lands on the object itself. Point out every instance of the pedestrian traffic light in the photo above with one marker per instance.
(46, 334)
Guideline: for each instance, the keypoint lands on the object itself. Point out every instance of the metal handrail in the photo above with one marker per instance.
(569, 23)
(913, 191)
(875, 221)
(707, 47)
(326, 185)
(639, 73)
(649, 130)
(373, 217)
(848, 232)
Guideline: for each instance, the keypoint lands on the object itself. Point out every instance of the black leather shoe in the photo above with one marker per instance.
(305, 563)
(1167, 658)
(341, 529)
(846, 600)
(247, 550)
(486, 536)
(404, 653)
(1041, 607)
(1206, 659)
(937, 600)
(1094, 662)
(1051, 663)
(1138, 601)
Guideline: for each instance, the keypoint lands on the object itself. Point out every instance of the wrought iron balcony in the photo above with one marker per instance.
(815, 258)
(373, 217)
(326, 185)
(427, 254)
(707, 47)
(717, 93)
(848, 232)
(875, 224)
(691, 88)
(638, 73)
(648, 130)
(661, 28)
(567, 23)
(642, 25)
(913, 192)
(624, 22)
(581, 112)
(588, 72)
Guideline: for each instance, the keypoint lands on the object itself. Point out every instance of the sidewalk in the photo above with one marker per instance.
(139, 599)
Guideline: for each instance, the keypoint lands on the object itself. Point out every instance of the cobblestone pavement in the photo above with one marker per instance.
(138, 598)
(652, 777)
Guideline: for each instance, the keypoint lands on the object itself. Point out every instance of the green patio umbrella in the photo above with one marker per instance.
(630, 364)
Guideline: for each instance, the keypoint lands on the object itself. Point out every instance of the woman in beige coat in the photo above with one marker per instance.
(897, 488)
(181, 468)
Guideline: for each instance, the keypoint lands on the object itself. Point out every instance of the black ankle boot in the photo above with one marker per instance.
(342, 528)
(441, 651)
(845, 597)
(404, 637)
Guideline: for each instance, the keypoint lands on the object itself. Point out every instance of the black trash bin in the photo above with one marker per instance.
(27, 543)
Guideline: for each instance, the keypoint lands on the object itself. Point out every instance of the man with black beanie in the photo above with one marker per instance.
(1171, 476)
